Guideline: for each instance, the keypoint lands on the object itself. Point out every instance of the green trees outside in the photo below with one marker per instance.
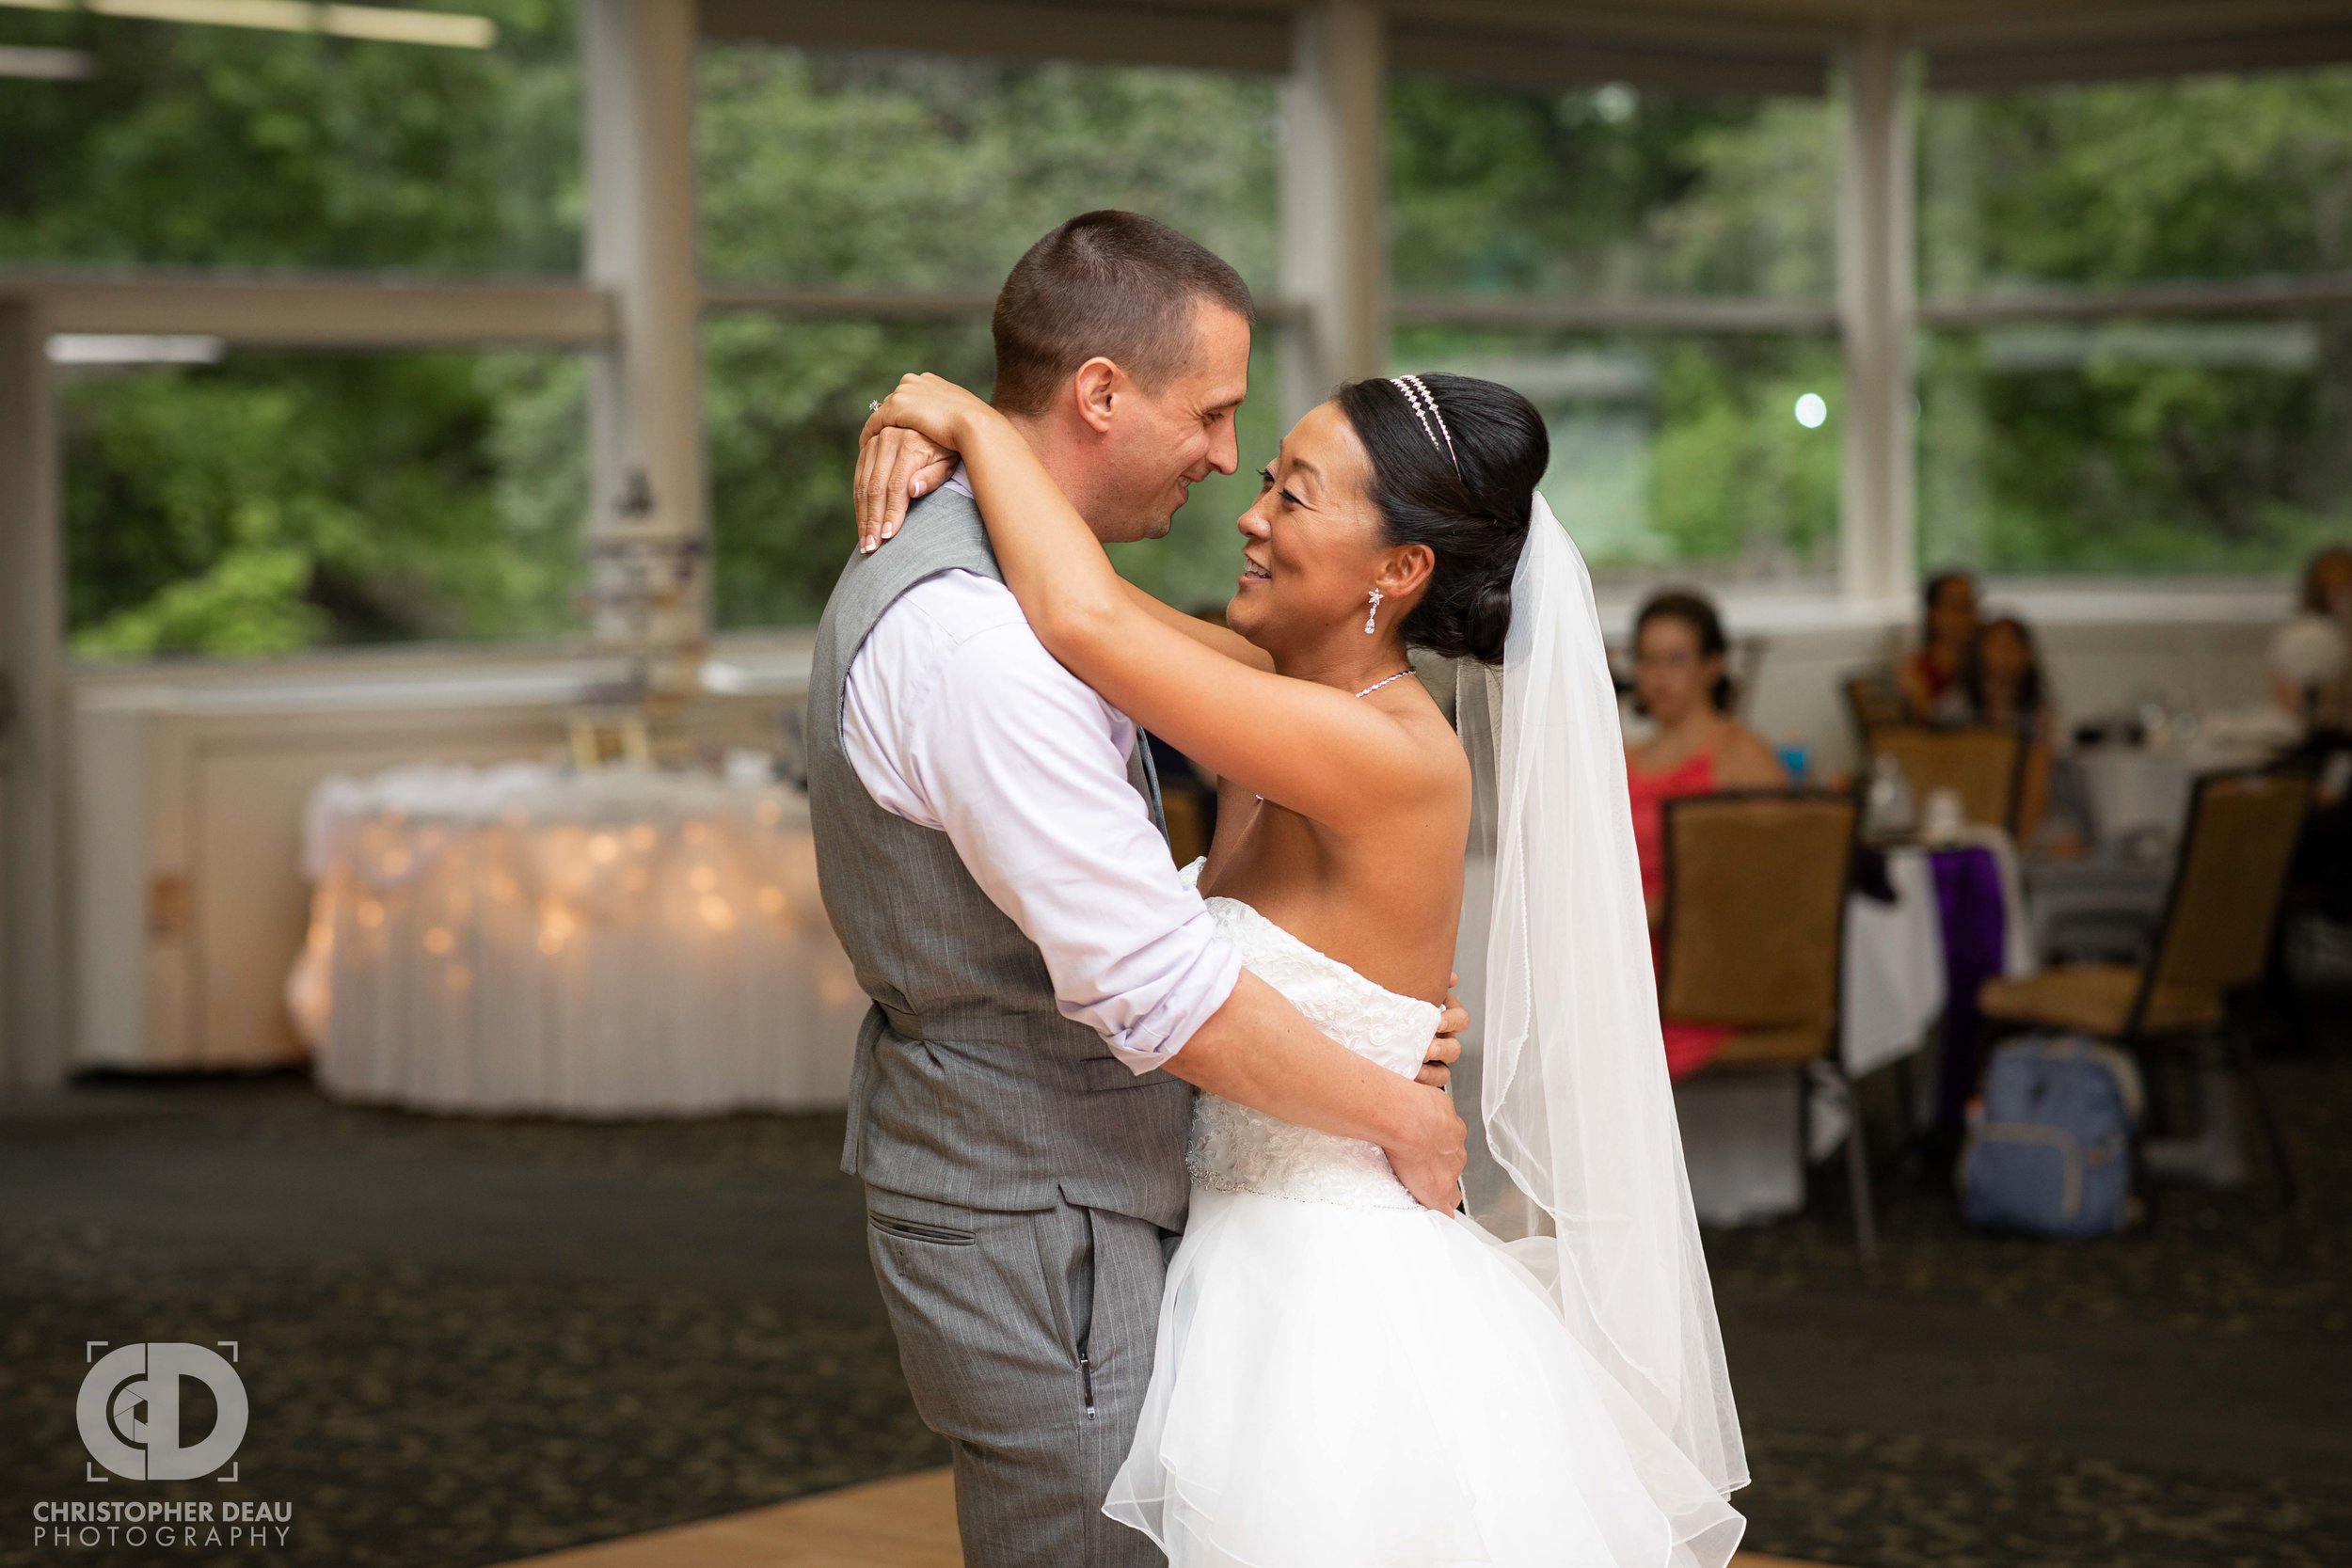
(272, 502)
(914, 174)
(2133, 447)
(1672, 453)
(267, 503)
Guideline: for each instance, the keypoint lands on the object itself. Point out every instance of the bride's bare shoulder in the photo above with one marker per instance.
(1438, 761)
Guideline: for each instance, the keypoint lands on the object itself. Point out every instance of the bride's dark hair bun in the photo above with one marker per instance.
(1473, 520)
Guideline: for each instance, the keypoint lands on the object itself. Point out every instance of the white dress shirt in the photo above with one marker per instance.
(957, 718)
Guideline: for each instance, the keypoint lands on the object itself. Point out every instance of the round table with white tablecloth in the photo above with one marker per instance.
(616, 942)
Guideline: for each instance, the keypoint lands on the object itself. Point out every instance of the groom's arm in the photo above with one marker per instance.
(1259, 1050)
(957, 720)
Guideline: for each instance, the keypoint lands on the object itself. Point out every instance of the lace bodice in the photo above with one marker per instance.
(1234, 1149)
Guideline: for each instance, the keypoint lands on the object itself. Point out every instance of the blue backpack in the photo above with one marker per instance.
(2049, 1146)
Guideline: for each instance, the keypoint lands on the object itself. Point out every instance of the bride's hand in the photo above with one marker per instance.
(908, 449)
(1436, 1069)
(895, 467)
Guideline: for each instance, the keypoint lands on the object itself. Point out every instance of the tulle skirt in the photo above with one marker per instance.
(1360, 1387)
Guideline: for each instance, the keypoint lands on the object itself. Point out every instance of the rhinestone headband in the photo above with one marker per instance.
(1424, 407)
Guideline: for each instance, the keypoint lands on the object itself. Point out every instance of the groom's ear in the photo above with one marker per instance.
(1095, 387)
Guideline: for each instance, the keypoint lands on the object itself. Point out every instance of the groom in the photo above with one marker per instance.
(1047, 992)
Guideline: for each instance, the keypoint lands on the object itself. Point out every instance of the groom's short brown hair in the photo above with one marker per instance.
(1110, 283)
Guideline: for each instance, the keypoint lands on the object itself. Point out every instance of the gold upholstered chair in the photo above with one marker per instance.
(1985, 763)
(1873, 701)
(2212, 947)
(1754, 938)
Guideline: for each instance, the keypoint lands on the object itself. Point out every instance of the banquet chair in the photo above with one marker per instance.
(2212, 948)
(1187, 821)
(1872, 702)
(1754, 940)
(1985, 763)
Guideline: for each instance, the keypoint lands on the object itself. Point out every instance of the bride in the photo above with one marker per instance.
(1343, 1377)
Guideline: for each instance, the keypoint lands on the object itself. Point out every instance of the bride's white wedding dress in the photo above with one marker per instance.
(1344, 1378)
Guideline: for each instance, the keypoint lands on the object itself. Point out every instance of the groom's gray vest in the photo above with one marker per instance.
(970, 1086)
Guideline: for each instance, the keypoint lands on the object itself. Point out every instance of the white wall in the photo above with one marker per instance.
(189, 781)
(2103, 647)
(189, 787)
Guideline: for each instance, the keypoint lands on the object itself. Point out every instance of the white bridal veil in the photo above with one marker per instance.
(1580, 1171)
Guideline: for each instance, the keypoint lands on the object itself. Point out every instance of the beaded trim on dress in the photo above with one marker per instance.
(1236, 1149)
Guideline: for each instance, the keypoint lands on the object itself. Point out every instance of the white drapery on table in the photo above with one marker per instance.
(526, 938)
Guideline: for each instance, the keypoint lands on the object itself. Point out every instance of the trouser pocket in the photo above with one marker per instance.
(916, 1230)
(1066, 1257)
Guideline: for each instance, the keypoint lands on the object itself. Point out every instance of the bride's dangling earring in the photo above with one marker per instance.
(1372, 620)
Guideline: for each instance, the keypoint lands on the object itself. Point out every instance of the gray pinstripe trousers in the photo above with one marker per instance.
(1027, 1339)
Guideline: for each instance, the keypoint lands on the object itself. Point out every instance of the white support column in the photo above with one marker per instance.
(1334, 193)
(646, 426)
(1877, 307)
(32, 759)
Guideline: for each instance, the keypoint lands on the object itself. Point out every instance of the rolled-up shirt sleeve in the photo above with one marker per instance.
(1024, 768)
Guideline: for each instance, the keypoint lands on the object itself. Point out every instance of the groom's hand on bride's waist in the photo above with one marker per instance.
(1429, 1153)
(1436, 1069)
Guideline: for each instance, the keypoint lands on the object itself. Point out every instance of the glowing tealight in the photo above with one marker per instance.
(438, 940)
(603, 846)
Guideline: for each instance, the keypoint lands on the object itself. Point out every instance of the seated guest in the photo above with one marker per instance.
(2311, 656)
(1930, 678)
(2312, 663)
(1678, 681)
(2001, 684)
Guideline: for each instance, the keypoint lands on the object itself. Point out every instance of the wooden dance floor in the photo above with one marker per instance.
(906, 1523)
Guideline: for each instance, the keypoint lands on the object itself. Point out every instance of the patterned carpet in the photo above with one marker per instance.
(469, 1340)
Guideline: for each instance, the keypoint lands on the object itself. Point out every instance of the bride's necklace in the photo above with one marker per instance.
(1365, 693)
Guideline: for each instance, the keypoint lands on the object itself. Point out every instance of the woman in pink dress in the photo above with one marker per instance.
(1698, 747)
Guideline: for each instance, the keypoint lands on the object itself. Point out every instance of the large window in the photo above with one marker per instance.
(2136, 447)
(1589, 247)
(242, 147)
(783, 402)
(1610, 193)
(270, 503)
(2062, 433)
(859, 210)
(1676, 454)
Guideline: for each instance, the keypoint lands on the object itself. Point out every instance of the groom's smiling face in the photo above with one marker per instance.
(1162, 443)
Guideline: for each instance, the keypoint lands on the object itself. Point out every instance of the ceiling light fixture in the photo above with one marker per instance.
(383, 23)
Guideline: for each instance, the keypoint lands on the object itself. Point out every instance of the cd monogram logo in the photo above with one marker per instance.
(129, 1411)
